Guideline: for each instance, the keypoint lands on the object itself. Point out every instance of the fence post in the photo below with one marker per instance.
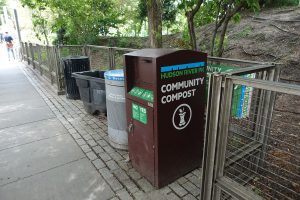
(225, 111)
(58, 71)
(39, 50)
(84, 50)
(49, 63)
(87, 52)
(111, 56)
(113, 52)
(22, 51)
(27, 53)
(259, 115)
(89, 55)
(268, 113)
(32, 55)
(211, 131)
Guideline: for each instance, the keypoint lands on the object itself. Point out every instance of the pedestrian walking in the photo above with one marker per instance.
(9, 45)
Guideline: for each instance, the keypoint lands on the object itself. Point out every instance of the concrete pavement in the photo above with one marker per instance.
(38, 157)
(50, 148)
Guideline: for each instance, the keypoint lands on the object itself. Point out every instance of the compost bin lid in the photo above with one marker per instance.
(114, 75)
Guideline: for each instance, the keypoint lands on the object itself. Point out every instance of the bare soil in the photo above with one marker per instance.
(272, 36)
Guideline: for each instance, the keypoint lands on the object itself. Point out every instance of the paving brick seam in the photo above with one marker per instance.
(85, 124)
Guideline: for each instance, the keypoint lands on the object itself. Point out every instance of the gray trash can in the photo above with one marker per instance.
(91, 85)
(116, 108)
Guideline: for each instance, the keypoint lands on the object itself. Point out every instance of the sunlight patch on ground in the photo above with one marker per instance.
(10, 108)
(100, 188)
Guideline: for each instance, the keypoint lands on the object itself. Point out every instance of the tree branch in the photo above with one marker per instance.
(286, 31)
(197, 7)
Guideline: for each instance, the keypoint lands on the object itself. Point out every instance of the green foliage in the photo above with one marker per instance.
(245, 32)
(168, 15)
(82, 21)
(2, 3)
(126, 42)
(217, 42)
(236, 18)
(185, 43)
(206, 14)
(142, 10)
(187, 5)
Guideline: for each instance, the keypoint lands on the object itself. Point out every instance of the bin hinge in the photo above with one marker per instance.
(130, 127)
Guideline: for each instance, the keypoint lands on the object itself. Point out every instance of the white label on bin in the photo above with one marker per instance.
(116, 96)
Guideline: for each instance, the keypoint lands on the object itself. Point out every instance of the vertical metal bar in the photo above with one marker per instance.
(226, 103)
(267, 115)
(211, 130)
(257, 116)
(260, 108)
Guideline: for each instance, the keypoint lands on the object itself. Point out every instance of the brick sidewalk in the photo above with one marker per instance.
(90, 133)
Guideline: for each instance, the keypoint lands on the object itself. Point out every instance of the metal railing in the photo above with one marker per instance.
(252, 136)
(47, 60)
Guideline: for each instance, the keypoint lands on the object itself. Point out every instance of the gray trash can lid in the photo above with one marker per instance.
(76, 57)
(114, 75)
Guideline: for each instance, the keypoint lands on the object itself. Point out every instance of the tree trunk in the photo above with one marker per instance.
(45, 33)
(154, 9)
(213, 41)
(218, 23)
(222, 37)
(190, 21)
(193, 41)
(228, 16)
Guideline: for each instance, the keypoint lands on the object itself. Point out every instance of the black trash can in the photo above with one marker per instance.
(74, 64)
(91, 85)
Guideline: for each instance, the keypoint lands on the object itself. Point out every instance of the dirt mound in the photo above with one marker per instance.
(270, 36)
